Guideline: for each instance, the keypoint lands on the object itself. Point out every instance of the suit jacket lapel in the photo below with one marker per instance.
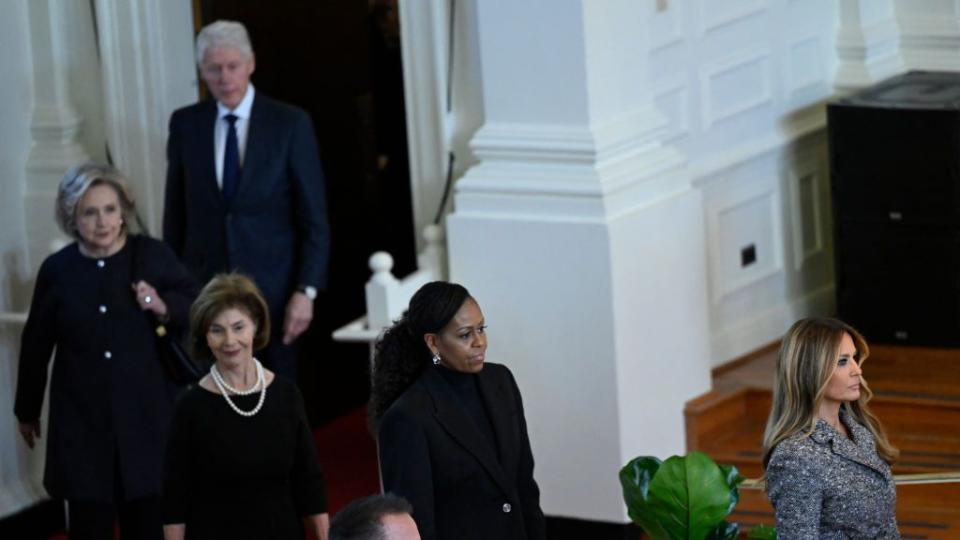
(207, 150)
(461, 428)
(257, 133)
(494, 397)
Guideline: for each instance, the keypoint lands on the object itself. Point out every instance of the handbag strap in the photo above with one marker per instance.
(134, 241)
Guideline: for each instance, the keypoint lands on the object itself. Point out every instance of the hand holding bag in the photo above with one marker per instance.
(182, 369)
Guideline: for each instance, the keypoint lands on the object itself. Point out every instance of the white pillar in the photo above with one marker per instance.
(583, 243)
(929, 34)
(867, 44)
(148, 72)
(55, 124)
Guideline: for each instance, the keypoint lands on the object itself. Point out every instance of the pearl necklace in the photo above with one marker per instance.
(224, 388)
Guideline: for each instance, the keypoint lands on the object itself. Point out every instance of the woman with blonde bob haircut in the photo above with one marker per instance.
(826, 456)
(241, 460)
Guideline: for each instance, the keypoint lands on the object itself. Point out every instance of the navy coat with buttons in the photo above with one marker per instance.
(461, 485)
(110, 399)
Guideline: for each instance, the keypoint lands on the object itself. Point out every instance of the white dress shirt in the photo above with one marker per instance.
(242, 112)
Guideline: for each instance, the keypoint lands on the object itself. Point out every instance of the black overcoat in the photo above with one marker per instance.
(110, 400)
(461, 485)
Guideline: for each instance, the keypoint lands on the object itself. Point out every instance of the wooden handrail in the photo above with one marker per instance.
(927, 478)
(898, 479)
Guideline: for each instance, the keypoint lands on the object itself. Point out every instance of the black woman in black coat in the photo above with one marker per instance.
(110, 399)
(450, 426)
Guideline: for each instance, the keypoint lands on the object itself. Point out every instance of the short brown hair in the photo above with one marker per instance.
(226, 291)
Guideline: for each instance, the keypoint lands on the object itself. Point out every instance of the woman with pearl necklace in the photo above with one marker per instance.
(240, 444)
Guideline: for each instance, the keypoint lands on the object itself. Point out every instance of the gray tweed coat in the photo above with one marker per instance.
(824, 485)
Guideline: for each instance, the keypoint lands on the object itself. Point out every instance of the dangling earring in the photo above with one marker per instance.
(436, 359)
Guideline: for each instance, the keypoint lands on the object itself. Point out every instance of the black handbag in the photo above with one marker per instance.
(178, 365)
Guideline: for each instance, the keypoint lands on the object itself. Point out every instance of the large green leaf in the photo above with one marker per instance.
(635, 479)
(683, 498)
(689, 496)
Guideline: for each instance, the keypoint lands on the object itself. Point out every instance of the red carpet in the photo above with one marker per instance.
(348, 456)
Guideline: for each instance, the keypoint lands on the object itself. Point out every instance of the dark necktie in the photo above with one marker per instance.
(231, 160)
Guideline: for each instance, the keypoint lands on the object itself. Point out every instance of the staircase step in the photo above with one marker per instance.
(921, 512)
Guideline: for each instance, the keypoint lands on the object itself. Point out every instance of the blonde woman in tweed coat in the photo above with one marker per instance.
(826, 457)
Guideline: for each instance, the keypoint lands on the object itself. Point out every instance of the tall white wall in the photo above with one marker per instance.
(560, 232)
(743, 84)
(579, 279)
(19, 472)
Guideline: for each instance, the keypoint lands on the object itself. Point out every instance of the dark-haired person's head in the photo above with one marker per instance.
(432, 309)
(451, 325)
(442, 326)
(377, 517)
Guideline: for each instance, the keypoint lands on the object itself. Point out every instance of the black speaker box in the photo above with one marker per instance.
(895, 186)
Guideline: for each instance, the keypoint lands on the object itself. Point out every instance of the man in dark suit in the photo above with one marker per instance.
(245, 190)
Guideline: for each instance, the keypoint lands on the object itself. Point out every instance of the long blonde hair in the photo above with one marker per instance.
(806, 361)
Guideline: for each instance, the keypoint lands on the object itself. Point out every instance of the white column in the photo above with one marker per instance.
(424, 35)
(929, 34)
(868, 44)
(55, 124)
(54, 127)
(149, 71)
(583, 243)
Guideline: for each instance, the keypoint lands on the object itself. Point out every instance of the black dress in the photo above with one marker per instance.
(231, 476)
(110, 399)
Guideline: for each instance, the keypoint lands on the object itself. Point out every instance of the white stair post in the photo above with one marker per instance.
(381, 291)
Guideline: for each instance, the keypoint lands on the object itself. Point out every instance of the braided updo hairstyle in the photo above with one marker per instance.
(401, 354)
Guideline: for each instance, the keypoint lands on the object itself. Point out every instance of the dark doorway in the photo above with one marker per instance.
(340, 61)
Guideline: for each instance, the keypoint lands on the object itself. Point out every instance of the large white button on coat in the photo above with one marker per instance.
(507, 508)
(103, 309)
(107, 354)
(101, 264)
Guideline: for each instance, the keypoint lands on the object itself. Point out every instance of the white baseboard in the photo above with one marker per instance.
(18, 494)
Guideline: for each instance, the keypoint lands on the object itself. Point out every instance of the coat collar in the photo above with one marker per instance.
(861, 449)
(450, 414)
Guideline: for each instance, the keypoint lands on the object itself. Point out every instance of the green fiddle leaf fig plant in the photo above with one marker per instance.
(682, 498)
